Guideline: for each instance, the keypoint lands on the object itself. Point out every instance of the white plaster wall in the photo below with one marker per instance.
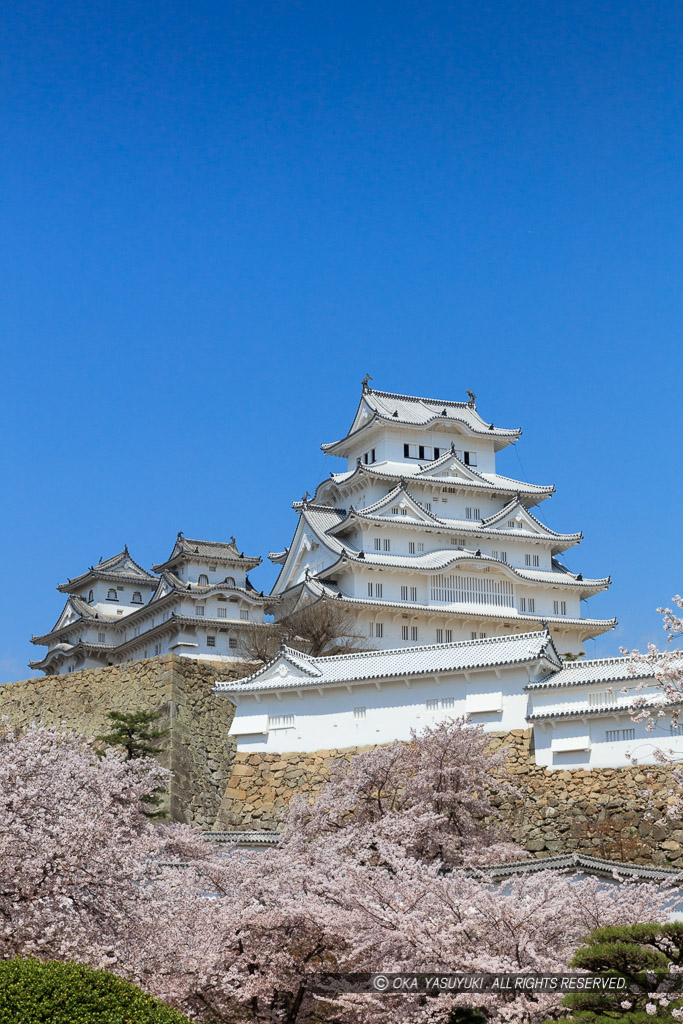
(191, 571)
(601, 753)
(389, 446)
(326, 721)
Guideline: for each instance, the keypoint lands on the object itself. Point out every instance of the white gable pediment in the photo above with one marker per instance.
(69, 615)
(450, 469)
(132, 569)
(162, 590)
(286, 670)
(364, 413)
(396, 506)
(123, 563)
(514, 518)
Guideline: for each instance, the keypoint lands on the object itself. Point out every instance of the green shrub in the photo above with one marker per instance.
(37, 992)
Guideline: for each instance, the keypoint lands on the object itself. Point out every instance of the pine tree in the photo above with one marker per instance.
(648, 956)
(135, 732)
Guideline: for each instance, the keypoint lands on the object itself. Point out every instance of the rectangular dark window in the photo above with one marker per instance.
(406, 451)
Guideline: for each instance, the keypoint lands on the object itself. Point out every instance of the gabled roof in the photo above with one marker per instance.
(171, 585)
(417, 514)
(224, 552)
(74, 612)
(490, 483)
(294, 670)
(81, 646)
(515, 509)
(407, 410)
(119, 568)
(594, 670)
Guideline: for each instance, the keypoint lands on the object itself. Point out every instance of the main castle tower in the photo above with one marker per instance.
(424, 541)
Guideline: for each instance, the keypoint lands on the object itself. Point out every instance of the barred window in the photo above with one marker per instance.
(615, 735)
(602, 698)
(281, 721)
(472, 590)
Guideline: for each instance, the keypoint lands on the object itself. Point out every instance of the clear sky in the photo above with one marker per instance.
(215, 218)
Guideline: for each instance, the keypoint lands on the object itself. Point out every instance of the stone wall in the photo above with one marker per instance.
(197, 749)
(602, 811)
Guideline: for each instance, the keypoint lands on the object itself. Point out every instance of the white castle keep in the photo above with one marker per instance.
(425, 541)
(460, 602)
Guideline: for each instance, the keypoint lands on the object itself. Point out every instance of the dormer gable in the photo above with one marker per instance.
(364, 413)
(167, 585)
(450, 469)
(286, 669)
(119, 568)
(70, 614)
(515, 516)
(398, 506)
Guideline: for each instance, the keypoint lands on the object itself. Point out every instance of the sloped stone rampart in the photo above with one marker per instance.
(197, 749)
(602, 811)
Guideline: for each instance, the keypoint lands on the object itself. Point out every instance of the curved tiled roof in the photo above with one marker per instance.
(593, 670)
(463, 655)
(409, 410)
(515, 505)
(247, 837)
(215, 551)
(584, 861)
(323, 588)
(491, 482)
(580, 709)
(437, 561)
(119, 568)
(476, 528)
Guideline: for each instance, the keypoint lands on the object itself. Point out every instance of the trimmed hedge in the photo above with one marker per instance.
(49, 992)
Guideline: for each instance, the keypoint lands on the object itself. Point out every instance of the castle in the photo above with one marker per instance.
(425, 541)
(197, 603)
(459, 601)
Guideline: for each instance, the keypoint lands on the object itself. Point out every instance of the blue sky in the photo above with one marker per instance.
(216, 218)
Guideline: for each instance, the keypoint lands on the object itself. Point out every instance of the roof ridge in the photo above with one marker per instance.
(503, 638)
(418, 398)
(599, 661)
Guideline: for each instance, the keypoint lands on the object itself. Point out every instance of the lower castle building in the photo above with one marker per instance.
(579, 711)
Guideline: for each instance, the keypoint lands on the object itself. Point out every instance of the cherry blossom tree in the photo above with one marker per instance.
(666, 666)
(667, 670)
(357, 884)
(435, 797)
